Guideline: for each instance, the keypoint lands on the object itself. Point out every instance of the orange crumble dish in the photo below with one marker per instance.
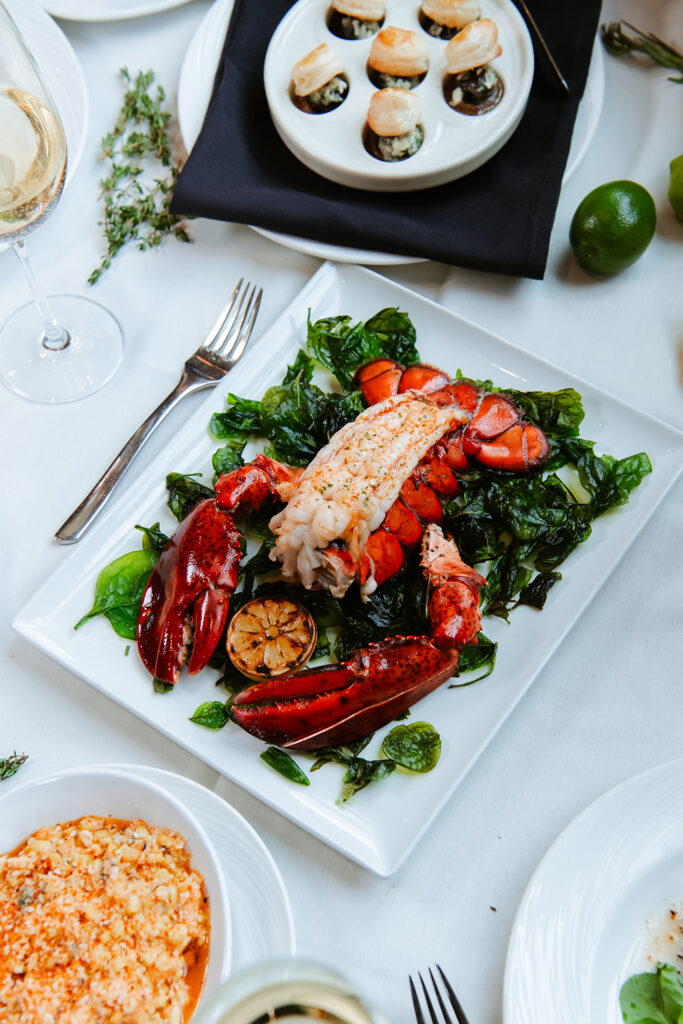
(102, 921)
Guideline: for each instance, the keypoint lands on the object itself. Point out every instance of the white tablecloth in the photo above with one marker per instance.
(608, 704)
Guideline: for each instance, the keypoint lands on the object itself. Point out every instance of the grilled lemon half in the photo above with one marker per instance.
(271, 636)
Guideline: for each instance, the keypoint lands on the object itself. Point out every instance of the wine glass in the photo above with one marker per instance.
(78, 346)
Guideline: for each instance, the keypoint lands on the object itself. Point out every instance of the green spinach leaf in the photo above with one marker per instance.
(154, 539)
(119, 589)
(342, 346)
(184, 492)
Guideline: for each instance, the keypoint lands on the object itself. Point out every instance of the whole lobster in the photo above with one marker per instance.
(365, 502)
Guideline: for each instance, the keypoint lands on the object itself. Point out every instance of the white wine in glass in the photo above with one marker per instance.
(65, 347)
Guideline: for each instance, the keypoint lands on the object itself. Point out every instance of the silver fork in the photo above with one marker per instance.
(220, 350)
(460, 1016)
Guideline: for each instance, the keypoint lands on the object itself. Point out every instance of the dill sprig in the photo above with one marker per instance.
(136, 196)
(618, 43)
(9, 766)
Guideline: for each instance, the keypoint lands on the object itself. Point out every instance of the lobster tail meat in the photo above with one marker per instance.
(338, 704)
(188, 593)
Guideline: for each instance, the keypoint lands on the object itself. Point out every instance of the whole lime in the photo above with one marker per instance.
(676, 185)
(612, 227)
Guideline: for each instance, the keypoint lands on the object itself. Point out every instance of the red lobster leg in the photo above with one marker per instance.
(192, 582)
(250, 485)
(341, 703)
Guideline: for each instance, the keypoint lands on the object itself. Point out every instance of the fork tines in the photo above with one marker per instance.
(228, 336)
(446, 1016)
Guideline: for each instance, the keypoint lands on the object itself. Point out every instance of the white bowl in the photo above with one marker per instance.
(454, 144)
(96, 790)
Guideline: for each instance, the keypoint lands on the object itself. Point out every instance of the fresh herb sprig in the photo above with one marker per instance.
(619, 44)
(137, 193)
(9, 766)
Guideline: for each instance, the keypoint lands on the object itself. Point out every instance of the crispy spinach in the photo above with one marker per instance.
(184, 492)
(342, 346)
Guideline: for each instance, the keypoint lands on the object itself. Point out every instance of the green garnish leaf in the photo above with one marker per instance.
(653, 998)
(9, 766)
(342, 346)
(360, 773)
(416, 746)
(243, 417)
(160, 686)
(473, 656)
(154, 539)
(137, 189)
(212, 714)
(184, 492)
(536, 592)
(283, 763)
(119, 589)
(229, 457)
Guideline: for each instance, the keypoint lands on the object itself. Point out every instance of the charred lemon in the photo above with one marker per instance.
(271, 636)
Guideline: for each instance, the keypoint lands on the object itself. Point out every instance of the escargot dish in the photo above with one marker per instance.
(444, 18)
(356, 19)
(398, 59)
(319, 83)
(393, 131)
(471, 86)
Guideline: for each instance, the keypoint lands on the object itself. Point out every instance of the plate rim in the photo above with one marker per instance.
(137, 11)
(565, 836)
(376, 857)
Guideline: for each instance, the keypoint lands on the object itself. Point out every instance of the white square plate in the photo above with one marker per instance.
(380, 825)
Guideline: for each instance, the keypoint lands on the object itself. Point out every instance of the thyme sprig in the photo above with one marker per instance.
(618, 43)
(9, 766)
(136, 195)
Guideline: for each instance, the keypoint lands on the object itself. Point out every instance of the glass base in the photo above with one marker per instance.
(86, 364)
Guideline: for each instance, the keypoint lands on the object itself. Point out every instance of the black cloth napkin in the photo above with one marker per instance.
(498, 218)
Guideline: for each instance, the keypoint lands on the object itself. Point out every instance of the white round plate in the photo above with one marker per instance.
(106, 10)
(62, 73)
(194, 92)
(454, 144)
(593, 909)
(262, 925)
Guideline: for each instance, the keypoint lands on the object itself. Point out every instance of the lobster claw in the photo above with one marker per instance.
(188, 593)
(337, 704)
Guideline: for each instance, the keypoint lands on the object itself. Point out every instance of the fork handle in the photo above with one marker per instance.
(81, 518)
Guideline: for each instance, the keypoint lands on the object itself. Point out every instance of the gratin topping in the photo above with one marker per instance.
(101, 922)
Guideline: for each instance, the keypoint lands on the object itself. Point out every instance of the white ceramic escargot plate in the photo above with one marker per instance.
(381, 824)
(455, 144)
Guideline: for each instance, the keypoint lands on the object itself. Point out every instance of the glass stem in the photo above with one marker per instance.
(54, 337)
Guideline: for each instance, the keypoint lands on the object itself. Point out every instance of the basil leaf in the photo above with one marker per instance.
(212, 714)
(184, 493)
(652, 998)
(119, 589)
(162, 687)
(481, 654)
(556, 412)
(536, 592)
(284, 764)
(416, 746)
